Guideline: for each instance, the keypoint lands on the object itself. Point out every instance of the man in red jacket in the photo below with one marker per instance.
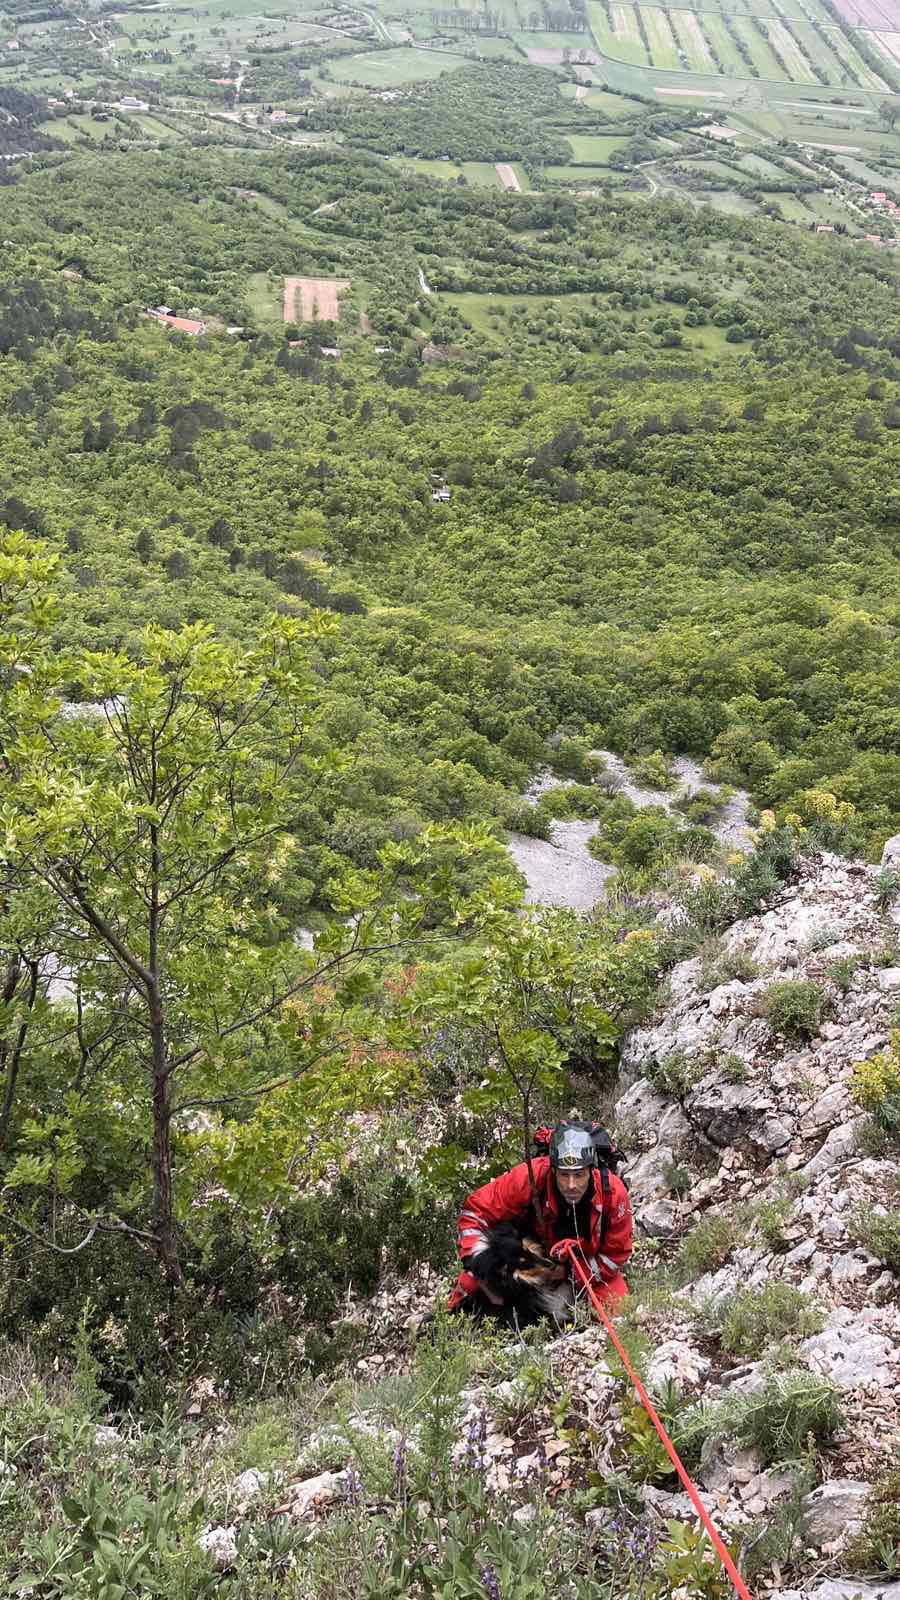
(574, 1196)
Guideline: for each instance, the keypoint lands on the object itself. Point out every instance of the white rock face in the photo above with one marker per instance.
(648, 1175)
(834, 1511)
(314, 1494)
(676, 1361)
(220, 1545)
(562, 871)
(852, 1353)
(890, 855)
(249, 1485)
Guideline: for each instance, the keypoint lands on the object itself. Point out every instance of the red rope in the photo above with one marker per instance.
(583, 1272)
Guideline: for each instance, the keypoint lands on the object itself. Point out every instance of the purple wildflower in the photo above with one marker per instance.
(476, 1434)
(353, 1488)
(491, 1585)
(400, 1469)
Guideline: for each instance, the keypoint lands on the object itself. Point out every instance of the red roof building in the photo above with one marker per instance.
(180, 324)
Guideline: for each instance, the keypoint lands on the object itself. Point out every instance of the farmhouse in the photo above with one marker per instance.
(129, 103)
(180, 324)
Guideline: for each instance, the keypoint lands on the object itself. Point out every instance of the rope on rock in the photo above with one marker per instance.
(575, 1255)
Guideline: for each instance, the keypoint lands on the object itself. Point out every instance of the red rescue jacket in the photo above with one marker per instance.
(509, 1199)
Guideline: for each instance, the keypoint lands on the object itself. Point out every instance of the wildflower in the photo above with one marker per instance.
(476, 1433)
(353, 1487)
(491, 1585)
(400, 1469)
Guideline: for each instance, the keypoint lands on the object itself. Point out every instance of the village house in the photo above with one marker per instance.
(189, 325)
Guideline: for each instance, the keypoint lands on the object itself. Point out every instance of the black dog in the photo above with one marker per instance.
(522, 1284)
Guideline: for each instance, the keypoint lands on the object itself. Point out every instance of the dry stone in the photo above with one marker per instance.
(851, 1352)
(834, 1510)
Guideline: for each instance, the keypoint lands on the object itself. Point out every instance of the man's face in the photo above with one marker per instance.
(573, 1184)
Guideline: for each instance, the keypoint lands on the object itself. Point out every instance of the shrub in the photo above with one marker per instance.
(843, 971)
(674, 1074)
(533, 821)
(751, 1319)
(875, 1085)
(570, 759)
(779, 1539)
(704, 805)
(793, 1409)
(718, 965)
(652, 770)
(887, 887)
(879, 1233)
(876, 1547)
(707, 1246)
(713, 906)
(644, 840)
(794, 1007)
(678, 1179)
(771, 1216)
(825, 935)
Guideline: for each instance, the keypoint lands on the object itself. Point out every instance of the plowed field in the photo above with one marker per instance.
(306, 299)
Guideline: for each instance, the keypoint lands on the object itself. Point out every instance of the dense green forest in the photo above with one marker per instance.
(674, 520)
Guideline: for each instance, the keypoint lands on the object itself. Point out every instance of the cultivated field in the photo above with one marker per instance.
(312, 299)
(692, 40)
(762, 41)
(663, 48)
(507, 176)
(882, 15)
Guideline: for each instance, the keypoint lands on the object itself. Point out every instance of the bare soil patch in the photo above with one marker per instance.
(306, 299)
(699, 94)
(507, 177)
(542, 57)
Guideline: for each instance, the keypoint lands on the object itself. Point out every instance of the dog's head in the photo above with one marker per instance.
(511, 1258)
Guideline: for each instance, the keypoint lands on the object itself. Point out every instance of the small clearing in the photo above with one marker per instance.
(562, 871)
(507, 177)
(311, 299)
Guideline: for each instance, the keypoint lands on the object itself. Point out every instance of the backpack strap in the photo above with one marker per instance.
(606, 1205)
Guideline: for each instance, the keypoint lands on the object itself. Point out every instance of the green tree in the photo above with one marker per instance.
(150, 827)
(543, 992)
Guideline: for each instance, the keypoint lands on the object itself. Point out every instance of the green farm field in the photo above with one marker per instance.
(389, 69)
(613, 106)
(596, 148)
(447, 171)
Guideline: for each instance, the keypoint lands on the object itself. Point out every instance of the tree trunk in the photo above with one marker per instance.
(163, 1218)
